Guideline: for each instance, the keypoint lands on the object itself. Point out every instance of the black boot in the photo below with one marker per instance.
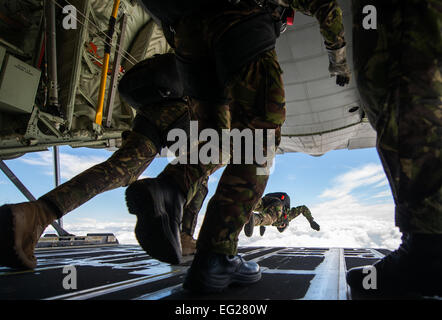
(158, 205)
(262, 229)
(213, 272)
(248, 227)
(413, 270)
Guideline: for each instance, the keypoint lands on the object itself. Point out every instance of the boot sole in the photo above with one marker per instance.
(8, 255)
(152, 229)
(218, 283)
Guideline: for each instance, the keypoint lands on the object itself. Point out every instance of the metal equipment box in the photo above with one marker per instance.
(18, 85)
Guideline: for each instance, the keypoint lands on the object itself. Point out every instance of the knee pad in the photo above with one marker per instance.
(151, 82)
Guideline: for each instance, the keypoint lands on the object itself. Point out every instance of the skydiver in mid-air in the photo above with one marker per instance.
(274, 210)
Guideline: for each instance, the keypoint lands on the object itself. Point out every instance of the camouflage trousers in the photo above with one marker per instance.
(256, 101)
(123, 168)
(399, 74)
(271, 215)
(190, 214)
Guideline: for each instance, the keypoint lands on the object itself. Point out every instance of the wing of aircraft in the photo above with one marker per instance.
(51, 58)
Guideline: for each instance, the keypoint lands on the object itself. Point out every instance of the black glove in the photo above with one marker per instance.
(314, 226)
(338, 66)
(281, 229)
(342, 80)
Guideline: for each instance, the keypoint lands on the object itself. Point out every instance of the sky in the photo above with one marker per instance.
(346, 191)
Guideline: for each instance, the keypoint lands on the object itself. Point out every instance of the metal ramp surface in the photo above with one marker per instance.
(126, 272)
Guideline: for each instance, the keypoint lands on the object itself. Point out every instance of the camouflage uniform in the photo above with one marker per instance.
(398, 68)
(269, 212)
(190, 214)
(272, 213)
(124, 167)
(256, 96)
(329, 16)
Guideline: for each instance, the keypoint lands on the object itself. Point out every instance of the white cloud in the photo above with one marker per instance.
(382, 183)
(385, 193)
(346, 219)
(355, 178)
(70, 165)
(357, 233)
(143, 176)
(213, 179)
(123, 230)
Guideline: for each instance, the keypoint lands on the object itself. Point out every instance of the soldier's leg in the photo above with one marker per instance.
(139, 148)
(264, 219)
(257, 103)
(399, 77)
(189, 175)
(190, 218)
(269, 215)
(121, 169)
(22, 224)
(190, 214)
(159, 211)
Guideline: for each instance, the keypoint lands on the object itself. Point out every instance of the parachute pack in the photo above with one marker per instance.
(169, 11)
(284, 197)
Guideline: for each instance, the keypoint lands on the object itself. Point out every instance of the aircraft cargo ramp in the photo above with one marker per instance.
(126, 272)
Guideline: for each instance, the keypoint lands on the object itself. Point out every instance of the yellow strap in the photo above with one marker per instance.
(104, 71)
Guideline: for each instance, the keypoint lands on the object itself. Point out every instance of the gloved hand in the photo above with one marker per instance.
(314, 226)
(338, 66)
(282, 227)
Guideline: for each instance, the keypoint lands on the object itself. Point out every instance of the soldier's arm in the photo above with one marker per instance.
(329, 15)
(294, 212)
(308, 215)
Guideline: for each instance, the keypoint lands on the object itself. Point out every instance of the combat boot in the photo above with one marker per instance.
(213, 272)
(250, 225)
(21, 226)
(262, 230)
(411, 271)
(158, 205)
(188, 244)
